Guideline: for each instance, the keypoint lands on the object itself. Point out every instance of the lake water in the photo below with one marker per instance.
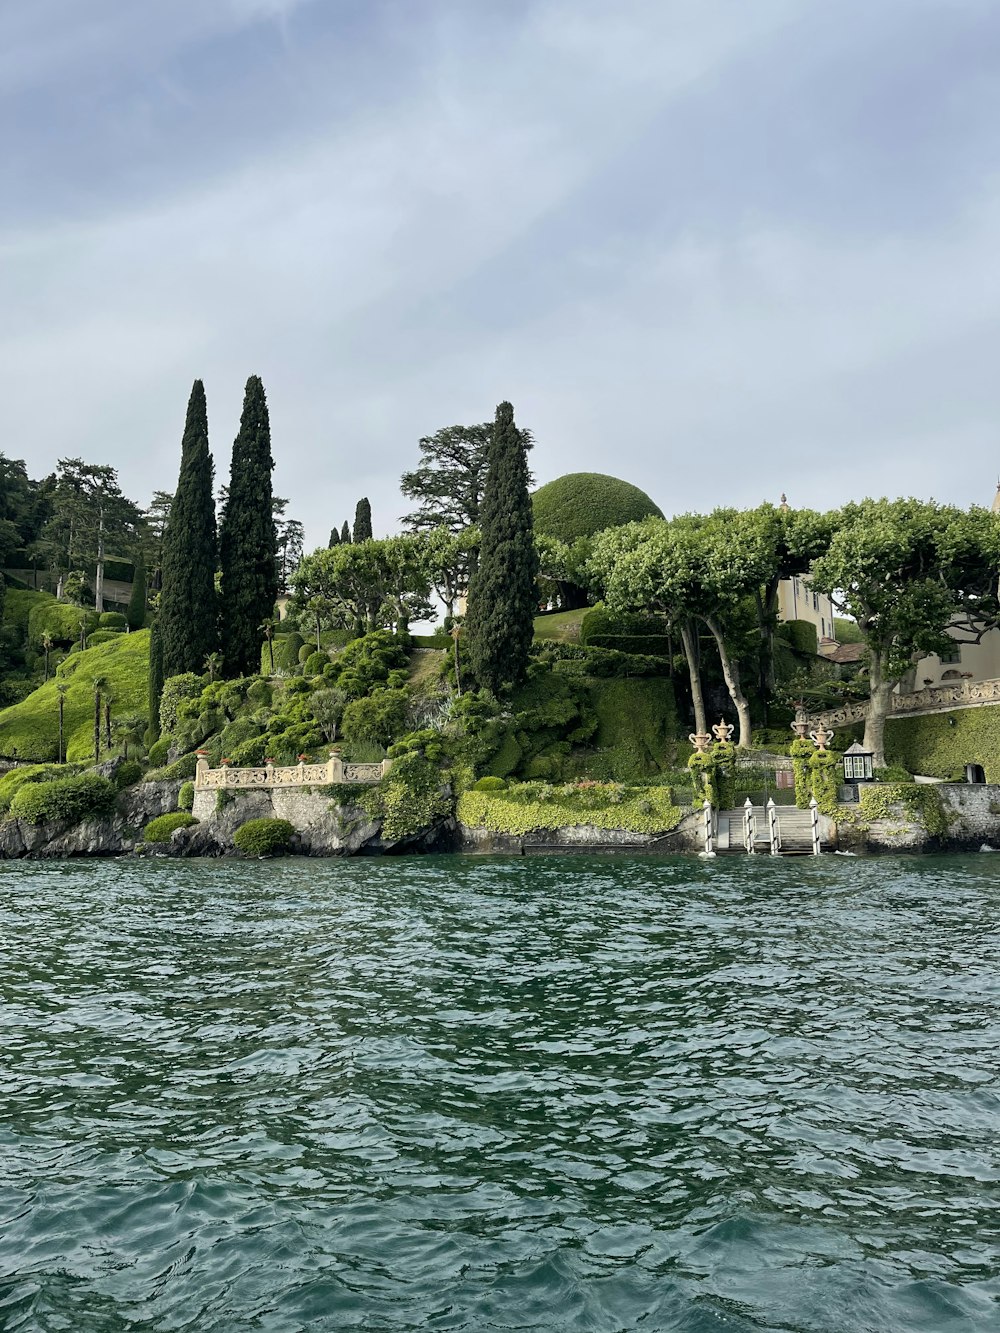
(454, 1093)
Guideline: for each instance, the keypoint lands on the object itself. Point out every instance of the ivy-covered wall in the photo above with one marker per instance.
(532, 805)
(941, 744)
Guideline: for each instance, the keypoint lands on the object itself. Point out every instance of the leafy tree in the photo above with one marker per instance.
(916, 576)
(363, 521)
(249, 582)
(581, 504)
(290, 538)
(155, 518)
(502, 595)
(155, 683)
(188, 608)
(376, 582)
(89, 511)
(24, 508)
(449, 556)
(562, 569)
(135, 612)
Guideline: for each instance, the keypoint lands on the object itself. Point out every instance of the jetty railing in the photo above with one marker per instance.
(334, 771)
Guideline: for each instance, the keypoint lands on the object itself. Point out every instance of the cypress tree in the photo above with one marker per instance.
(155, 683)
(345, 534)
(502, 593)
(247, 543)
(188, 612)
(135, 612)
(334, 538)
(363, 521)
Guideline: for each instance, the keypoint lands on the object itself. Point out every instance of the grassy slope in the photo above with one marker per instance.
(33, 724)
(564, 626)
(18, 604)
(425, 666)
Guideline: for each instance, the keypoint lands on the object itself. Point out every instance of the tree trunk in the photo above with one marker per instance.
(97, 728)
(878, 710)
(99, 576)
(107, 725)
(731, 672)
(690, 647)
(62, 704)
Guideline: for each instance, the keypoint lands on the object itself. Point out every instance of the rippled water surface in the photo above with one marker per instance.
(475, 1094)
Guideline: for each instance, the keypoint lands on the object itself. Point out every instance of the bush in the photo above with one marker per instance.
(410, 799)
(177, 690)
(490, 784)
(314, 664)
(128, 774)
(72, 798)
(159, 750)
(801, 634)
(581, 504)
(102, 636)
(380, 717)
(438, 640)
(288, 656)
(533, 806)
(185, 797)
(894, 773)
(368, 662)
(263, 837)
(160, 830)
(60, 621)
(112, 620)
(185, 767)
(16, 778)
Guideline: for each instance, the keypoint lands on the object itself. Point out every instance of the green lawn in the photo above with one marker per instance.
(32, 726)
(563, 626)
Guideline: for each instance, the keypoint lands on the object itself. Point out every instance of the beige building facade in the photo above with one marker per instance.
(798, 601)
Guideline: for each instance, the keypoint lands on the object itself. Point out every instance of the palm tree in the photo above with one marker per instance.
(213, 665)
(47, 646)
(100, 685)
(108, 701)
(61, 691)
(267, 628)
(130, 729)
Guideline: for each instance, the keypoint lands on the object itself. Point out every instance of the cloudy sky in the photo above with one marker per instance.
(721, 248)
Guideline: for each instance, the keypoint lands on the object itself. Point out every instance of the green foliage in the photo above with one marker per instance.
(560, 626)
(704, 779)
(499, 623)
(158, 751)
(15, 778)
(188, 610)
(892, 773)
(154, 684)
(249, 581)
(636, 730)
(847, 631)
(410, 799)
(363, 521)
(533, 806)
(801, 751)
(490, 784)
(112, 620)
(185, 797)
(160, 829)
(801, 634)
(127, 774)
(263, 837)
(60, 621)
(438, 640)
(18, 605)
(826, 774)
(314, 664)
(184, 767)
(941, 744)
(177, 690)
(369, 662)
(251, 753)
(581, 504)
(102, 636)
(288, 653)
(72, 798)
(379, 717)
(920, 802)
(33, 724)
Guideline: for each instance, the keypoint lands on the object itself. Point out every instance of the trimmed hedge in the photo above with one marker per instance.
(161, 829)
(102, 636)
(72, 798)
(16, 778)
(533, 805)
(801, 634)
(263, 837)
(581, 504)
(184, 767)
(941, 744)
(60, 620)
(185, 797)
(112, 620)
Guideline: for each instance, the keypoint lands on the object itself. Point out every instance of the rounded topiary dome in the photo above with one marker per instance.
(582, 503)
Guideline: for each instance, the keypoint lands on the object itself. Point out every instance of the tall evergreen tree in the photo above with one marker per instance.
(363, 521)
(502, 593)
(345, 534)
(247, 539)
(135, 612)
(188, 612)
(155, 682)
(334, 538)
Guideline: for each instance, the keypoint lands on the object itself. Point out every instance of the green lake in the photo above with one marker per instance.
(579, 1093)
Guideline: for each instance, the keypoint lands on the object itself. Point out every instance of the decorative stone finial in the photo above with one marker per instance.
(700, 740)
(820, 736)
(723, 730)
(784, 500)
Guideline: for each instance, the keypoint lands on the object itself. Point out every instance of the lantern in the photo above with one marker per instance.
(858, 764)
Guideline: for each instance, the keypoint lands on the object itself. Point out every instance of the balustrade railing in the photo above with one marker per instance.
(932, 699)
(302, 774)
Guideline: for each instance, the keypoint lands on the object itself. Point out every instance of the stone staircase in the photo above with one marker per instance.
(794, 832)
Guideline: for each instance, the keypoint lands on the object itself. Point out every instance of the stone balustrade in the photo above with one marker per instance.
(933, 699)
(335, 770)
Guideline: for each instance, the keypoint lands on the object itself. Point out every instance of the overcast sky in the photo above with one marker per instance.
(720, 248)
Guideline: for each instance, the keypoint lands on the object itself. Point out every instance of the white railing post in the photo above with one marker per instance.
(814, 816)
(706, 810)
(749, 828)
(773, 829)
(201, 769)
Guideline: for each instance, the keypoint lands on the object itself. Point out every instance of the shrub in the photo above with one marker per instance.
(176, 691)
(490, 784)
(112, 620)
(73, 798)
(894, 773)
(368, 662)
(185, 767)
(380, 717)
(314, 663)
(102, 636)
(437, 640)
(263, 837)
(15, 778)
(160, 830)
(538, 805)
(581, 504)
(410, 798)
(251, 753)
(60, 620)
(288, 655)
(128, 774)
(801, 634)
(185, 797)
(159, 750)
